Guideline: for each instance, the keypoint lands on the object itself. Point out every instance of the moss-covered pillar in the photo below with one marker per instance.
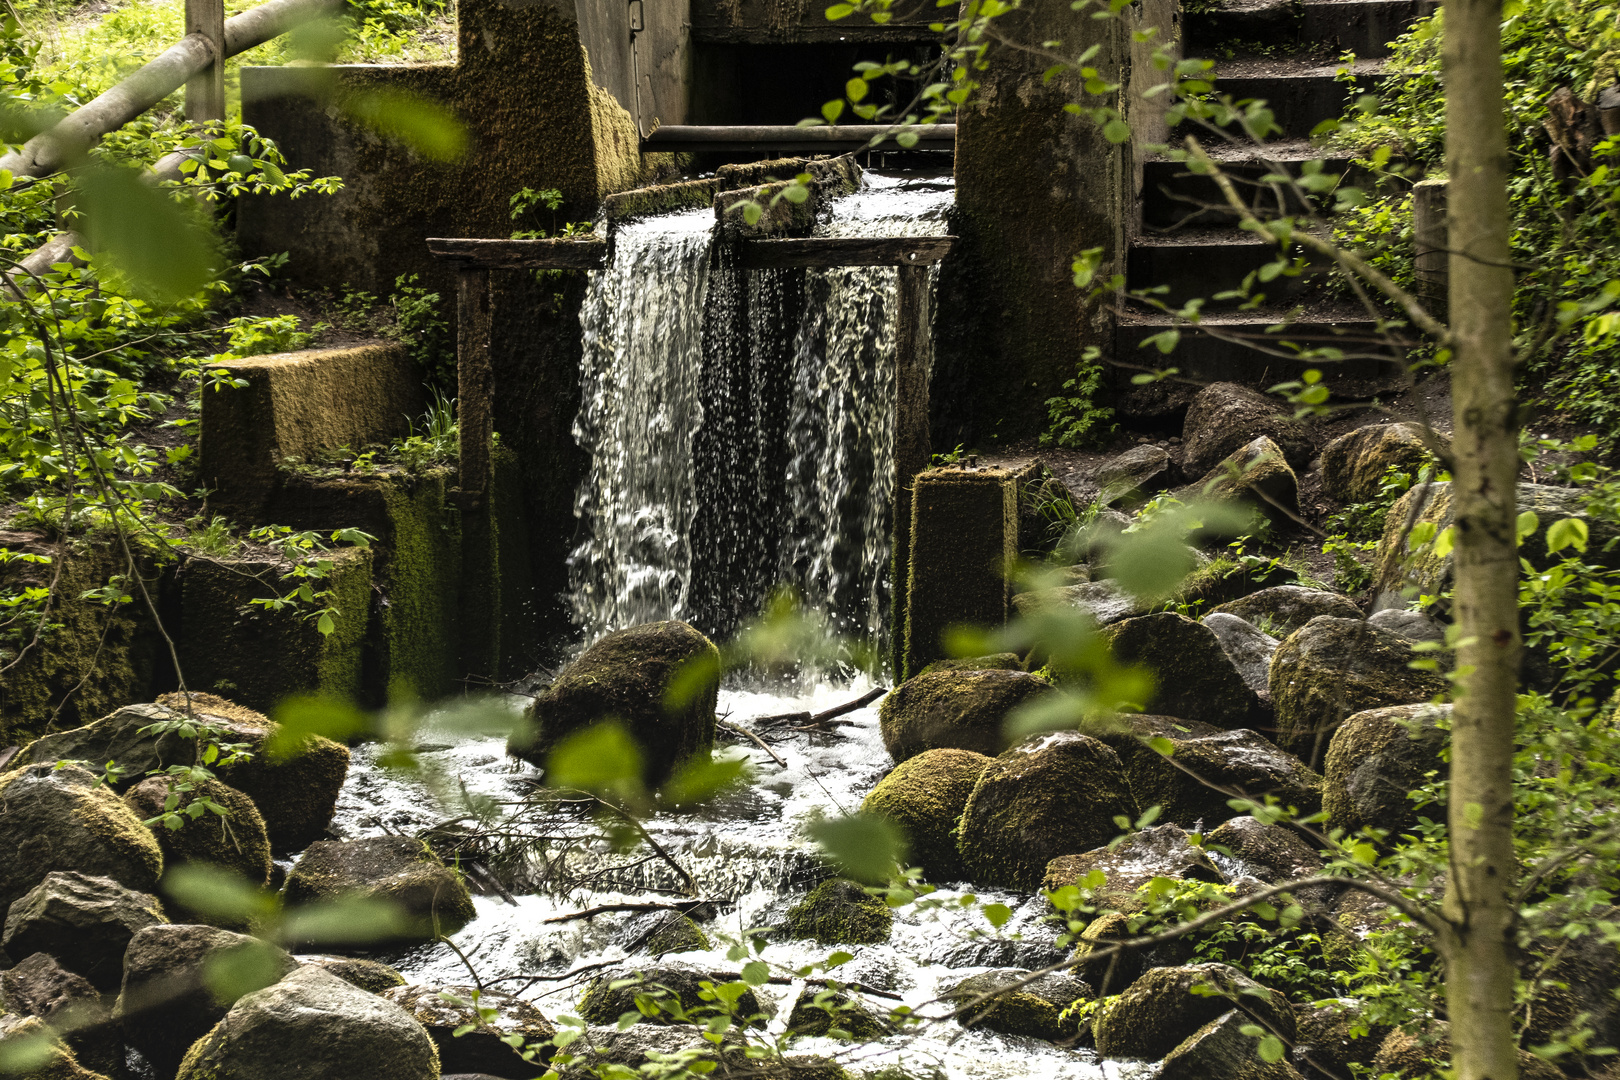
(964, 539)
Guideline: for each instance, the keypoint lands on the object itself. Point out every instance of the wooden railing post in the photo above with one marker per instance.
(205, 91)
(475, 381)
(912, 357)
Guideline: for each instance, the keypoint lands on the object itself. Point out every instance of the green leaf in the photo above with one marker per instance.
(302, 717)
(425, 126)
(354, 920)
(702, 778)
(1162, 745)
(840, 11)
(833, 110)
(856, 89)
(1526, 525)
(242, 969)
(865, 847)
(28, 1054)
(1271, 1049)
(1567, 532)
(326, 624)
(143, 233)
(218, 893)
(1117, 131)
(756, 973)
(694, 680)
(998, 914)
(600, 758)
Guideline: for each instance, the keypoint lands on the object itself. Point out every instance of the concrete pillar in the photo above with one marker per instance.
(1429, 252)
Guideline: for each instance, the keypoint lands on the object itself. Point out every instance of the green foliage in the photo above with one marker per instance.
(1075, 420)
(421, 323)
(308, 564)
(1357, 528)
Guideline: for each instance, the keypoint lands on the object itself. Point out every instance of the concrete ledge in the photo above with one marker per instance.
(297, 405)
(659, 199)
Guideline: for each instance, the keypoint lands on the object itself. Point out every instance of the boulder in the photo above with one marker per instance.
(1105, 601)
(1161, 851)
(1255, 475)
(1330, 669)
(84, 922)
(1328, 1043)
(1192, 673)
(1282, 609)
(1027, 940)
(925, 796)
(1224, 417)
(372, 975)
(961, 710)
(626, 676)
(1110, 971)
(841, 912)
(1007, 661)
(1353, 465)
(1375, 759)
(820, 1012)
(1127, 734)
(1051, 795)
(1414, 626)
(1412, 1055)
(294, 795)
(1034, 1010)
(1248, 648)
(603, 1003)
(237, 842)
(1222, 579)
(1128, 480)
(315, 1026)
(660, 932)
(1158, 1011)
(75, 1010)
(56, 1061)
(483, 1049)
(61, 819)
(1221, 1051)
(180, 980)
(1274, 853)
(1233, 760)
(430, 897)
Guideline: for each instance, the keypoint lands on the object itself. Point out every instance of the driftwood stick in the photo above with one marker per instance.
(606, 909)
(850, 706)
(757, 741)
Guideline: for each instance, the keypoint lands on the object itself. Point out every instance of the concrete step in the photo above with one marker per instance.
(1173, 196)
(1319, 28)
(1203, 262)
(1300, 93)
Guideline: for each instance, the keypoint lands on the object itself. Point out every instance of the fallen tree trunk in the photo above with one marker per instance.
(51, 150)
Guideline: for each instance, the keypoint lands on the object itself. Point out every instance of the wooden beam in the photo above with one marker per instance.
(791, 139)
(557, 254)
(826, 251)
(205, 91)
(830, 34)
(913, 358)
(475, 382)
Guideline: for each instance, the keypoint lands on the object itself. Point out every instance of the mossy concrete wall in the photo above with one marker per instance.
(295, 406)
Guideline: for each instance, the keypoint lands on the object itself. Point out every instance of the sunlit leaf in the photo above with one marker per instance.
(357, 920)
(142, 232)
(425, 126)
(701, 778)
(242, 969)
(865, 847)
(218, 893)
(1567, 532)
(600, 758)
(303, 716)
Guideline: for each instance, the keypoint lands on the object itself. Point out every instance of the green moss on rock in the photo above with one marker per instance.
(841, 912)
(1007, 661)
(1159, 1010)
(1376, 759)
(370, 975)
(925, 796)
(430, 898)
(59, 1062)
(673, 934)
(1232, 760)
(472, 1040)
(1220, 1050)
(1161, 851)
(1354, 464)
(961, 710)
(1050, 795)
(820, 1012)
(1034, 1010)
(603, 1002)
(1192, 674)
(1255, 476)
(236, 841)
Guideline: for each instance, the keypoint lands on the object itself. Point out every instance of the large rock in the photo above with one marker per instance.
(1414, 626)
(1273, 854)
(1034, 1009)
(372, 975)
(960, 710)
(823, 1011)
(1128, 734)
(1412, 1055)
(61, 819)
(1193, 675)
(626, 676)
(75, 1009)
(1577, 987)
(1051, 795)
(1162, 851)
(237, 841)
(841, 912)
(483, 1049)
(1111, 970)
(1221, 1051)
(314, 1026)
(1255, 475)
(681, 988)
(1336, 1034)
(1158, 1011)
(1225, 417)
(294, 795)
(1239, 761)
(180, 980)
(1250, 650)
(925, 796)
(430, 898)
(1128, 480)
(84, 922)
(1375, 759)
(1330, 669)
(1105, 601)
(1353, 465)
(58, 1061)
(1282, 609)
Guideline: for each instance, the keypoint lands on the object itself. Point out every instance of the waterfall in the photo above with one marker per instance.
(740, 425)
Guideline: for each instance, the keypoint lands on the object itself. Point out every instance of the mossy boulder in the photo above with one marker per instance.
(482, 1050)
(1353, 465)
(604, 1003)
(59, 1061)
(168, 999)
(371, 975)
(1272, 854)
(1127, 734)
(1105, 601)
(1050, 795)
(1221, 1051)
(1233, 760)
(1225, 417)
(1577, 988)
(1282, 609)
(314, 1024)
(821, 1012)
(1130, 478)
(1328, 1042)
(841, 912)
(1414, 626)
(1193, 676)
(1249, 649)
(1160, 1010)
(70, 1004)
(84, 922)
(1257, 476)
(961, 710)
(1110, 970)
(1161, 851)
(236, 842)
(626, 676)
(925, 796)
(1007, 661)
(1413, 1054)
(1330, 669)
(429, 897)
(1034, 1010)
(60, 819)
(660, 932)
(1376, 759)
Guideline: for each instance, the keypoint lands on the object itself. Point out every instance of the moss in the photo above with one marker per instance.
(421, 622)
(925, 796)
(1221, 1049)
(370, 975)
(237, 841)
(1286, 608)
(818, 1012)
(1328, 1039)
(1051, 795)
(1375, 759)
(1034, 1010)
(1222, 580)
(431, 898)
(677, 934)
(841, 912)
(1159, 1010)
(960, 710)
(1231, 760)
(1354, 464)
(1006, 661)
(1193, 676)
(660, 199)
(59, 1062)
(603, 1003)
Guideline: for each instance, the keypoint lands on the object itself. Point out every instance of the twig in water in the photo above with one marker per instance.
(849, 707)
(688, 909)
(470, 969)
(757, 741)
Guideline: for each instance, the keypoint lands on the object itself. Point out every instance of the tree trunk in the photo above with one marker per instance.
(1478, 950)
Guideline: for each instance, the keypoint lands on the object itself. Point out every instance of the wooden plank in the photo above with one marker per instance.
(557, 254)
(205, 91)
(830, 34)
(828, 251)
(475, 381)
(913, 357)
(790, 138)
